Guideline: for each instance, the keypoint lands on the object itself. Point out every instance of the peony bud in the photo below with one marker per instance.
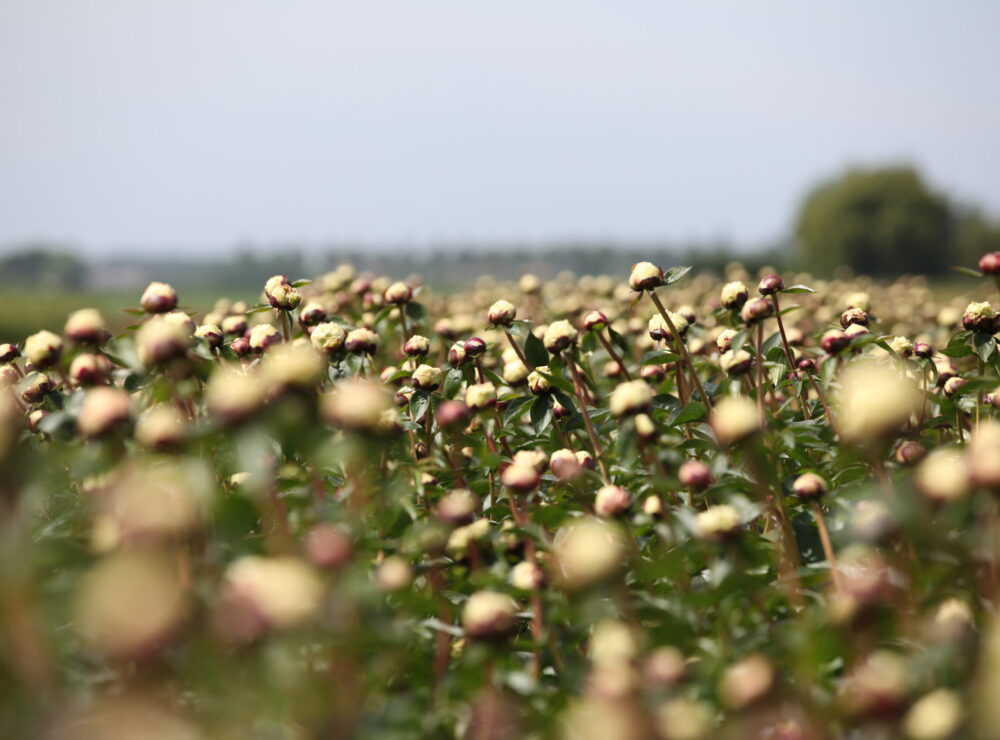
(611, 501)
(645, 276)
(586, 552)
(989, 263)
(398, 293)
(416, 346)
(311, 314)
(923, 350)
(234, 325)
(770, 284)
(718, 522)
(158, 298)
(854, 316)
(426, 378)
(630, 398)
(328, 546)
(501, 313)
(755, 311)
(481, 396)
(452, 414)
(558, 336)
(358, 406)
(809, 486)
(361, 341)
(489, 615)
(86, 326)
(734, 418)
(979, 316)
(457, 507)
(43, 349)
(521, 477)
(263, 336)
(834, 341)
(910, 453)
(327, 337)
(564, 465)
(746, 682)
(734, 295)
(527, 576)
(160, 428)
(456, 354)
(736, 363)
(210, 333)
(103, 409)
(595, 321)
(474, 347)
(695, 474)
(874, 401)
(8, 353)
(89, 369)
(537, 382)
(159, 341)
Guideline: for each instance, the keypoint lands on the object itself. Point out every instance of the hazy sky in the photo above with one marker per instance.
(187, 123)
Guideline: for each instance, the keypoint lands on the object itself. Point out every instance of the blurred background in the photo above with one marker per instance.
(212, 143)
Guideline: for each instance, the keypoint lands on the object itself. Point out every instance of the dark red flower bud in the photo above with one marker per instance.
(770, 284)
(989, 263)
(474, 346)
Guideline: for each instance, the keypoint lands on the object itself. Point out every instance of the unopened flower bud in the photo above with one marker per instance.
(416, 346)
(652, 506)
(398, 293)
(770, 284)
(755, 311)
(457, 354)
(240, 346)
(480, 396)
(501, 313)
(311, 314)
(645, 276)
(834, 341)
(953, 385)
(595, 321)
(529, 284)
(520, 477)
(43, 349)
(734, 295)
(159, 341)
(327, 337)
(910, 453)
(746, 682)
(644, 427)
(558, 336)
(488, 615)
(327, 546)
(102, 410)
(586, 552)
(979, 316)
(426, 377)
(724, 342)
(902, 346)
(210, 333)
(695, 474)
(736, 362)
(263, 336)
(718, 522)
(923, 350)
(394, 574)
(734, 418)
(8, 353)
(457, 507)
(452, 414)
(630, 398)
(854, 316)
(527, 576)
(90, 369)
(989, 263)
(234, 325)
(611, 501)
(358, 406)
(564, 465)
(474, 347)
(537, 382)
(809, 486)
(361, 341)
(806, 364)
(158, 298)
(36, 387)
(86, 326)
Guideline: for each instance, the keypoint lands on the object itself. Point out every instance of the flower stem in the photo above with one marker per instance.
(681, 348)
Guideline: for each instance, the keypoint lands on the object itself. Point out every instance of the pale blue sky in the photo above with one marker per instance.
(187, 123)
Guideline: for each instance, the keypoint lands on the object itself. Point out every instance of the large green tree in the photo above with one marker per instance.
(877, 221)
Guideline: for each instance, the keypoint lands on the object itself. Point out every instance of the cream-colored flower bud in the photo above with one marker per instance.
(86, 326)
(611, 501)
(809, 486)
(427, 377)
(210, 333)
(398, 293)
(158, 298)
(501, 313)
(480, 396)
(327, 337)
(526, 576)
(233, 396)
(631, 398)
(734, 295)
(103, 409)
(283, 591)
(393, 574)
(645, 276)
(935, 716)
(943, 475)
(585, 552)
(357, 405)
(558, 336)
(43, 349)
(537, 382)
(292, 366)
(489, 615)
(361, 341)
(263, 336)
(718, 522)
(514, 371)
(734, 418)
(746, 682)
(160, 428)
(874, 401)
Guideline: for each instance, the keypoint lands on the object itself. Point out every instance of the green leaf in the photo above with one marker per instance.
(675, 273)
(619, 341)
(535, 351)
(452, 382)
(541, 413)
(659, 357)
(416, 311)
(301, 283)
(798, 289)
(967, 271)
(985, 345)
(419, 404)
(694, 411)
